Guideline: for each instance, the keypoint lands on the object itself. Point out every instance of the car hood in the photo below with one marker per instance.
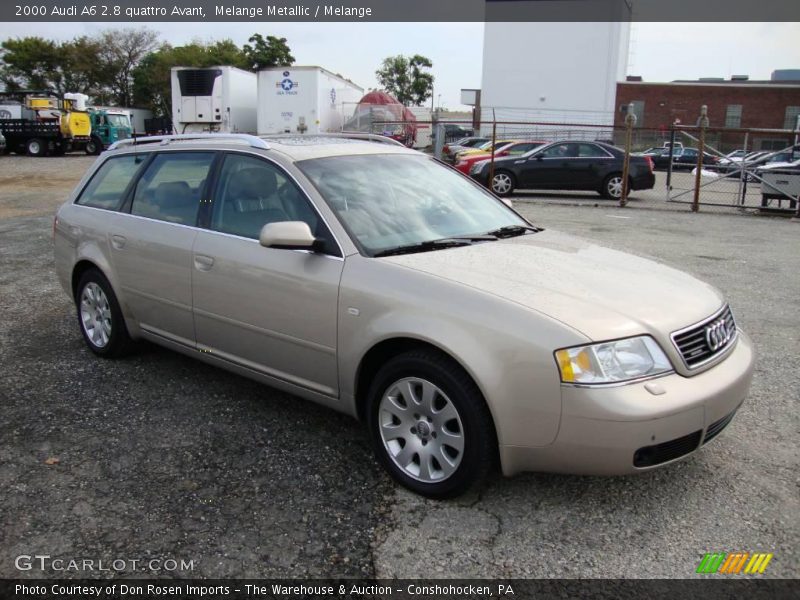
(602, 293)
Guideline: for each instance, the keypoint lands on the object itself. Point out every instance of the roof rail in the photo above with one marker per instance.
(369, 137)
(346, 135)
(252, 140)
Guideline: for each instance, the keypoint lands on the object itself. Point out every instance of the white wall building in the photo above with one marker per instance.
(556, 72)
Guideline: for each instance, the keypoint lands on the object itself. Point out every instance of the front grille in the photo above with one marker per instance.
(693, 342)
(717, 426)
(650, 456)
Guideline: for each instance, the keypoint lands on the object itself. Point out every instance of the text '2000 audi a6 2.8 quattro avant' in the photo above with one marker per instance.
(376, 281)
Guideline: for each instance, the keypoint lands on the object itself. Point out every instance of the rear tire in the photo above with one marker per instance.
(612, 187)
(429, 424)
(100, 316)
(36, 147)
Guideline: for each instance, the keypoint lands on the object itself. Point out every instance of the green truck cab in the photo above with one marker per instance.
(108, 126)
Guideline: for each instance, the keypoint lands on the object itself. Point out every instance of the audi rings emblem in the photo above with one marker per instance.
(718, 334)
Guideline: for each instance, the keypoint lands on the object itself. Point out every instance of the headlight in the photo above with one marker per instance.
(612, 362)
(476, 168)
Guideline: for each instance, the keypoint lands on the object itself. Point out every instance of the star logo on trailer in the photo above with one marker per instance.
(333, 96)
(287, 84)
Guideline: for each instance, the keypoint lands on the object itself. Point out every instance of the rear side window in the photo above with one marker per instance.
(591, 151)
(171, 187)
(108, 185)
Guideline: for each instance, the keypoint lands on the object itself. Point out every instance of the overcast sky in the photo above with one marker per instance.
(658, 51)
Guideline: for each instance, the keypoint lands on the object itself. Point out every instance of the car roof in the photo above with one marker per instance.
(294, 147)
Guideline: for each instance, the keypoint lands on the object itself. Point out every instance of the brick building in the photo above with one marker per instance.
(736, 103)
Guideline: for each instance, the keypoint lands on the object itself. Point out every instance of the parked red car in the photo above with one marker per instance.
(464, 164)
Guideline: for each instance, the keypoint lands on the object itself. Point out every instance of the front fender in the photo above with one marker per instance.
(506, 348)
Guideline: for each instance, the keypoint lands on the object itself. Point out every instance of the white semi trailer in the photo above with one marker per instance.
(304, 100)
(212, 99)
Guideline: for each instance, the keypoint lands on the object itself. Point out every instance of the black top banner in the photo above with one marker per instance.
(137, 11)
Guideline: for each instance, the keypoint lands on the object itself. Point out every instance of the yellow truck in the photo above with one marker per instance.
(48, 125)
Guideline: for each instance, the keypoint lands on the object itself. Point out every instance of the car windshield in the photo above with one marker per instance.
(388, 201)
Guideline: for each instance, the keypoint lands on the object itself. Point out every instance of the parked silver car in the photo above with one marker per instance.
(372, 279)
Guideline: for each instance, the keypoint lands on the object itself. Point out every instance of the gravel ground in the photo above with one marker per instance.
(160, 456)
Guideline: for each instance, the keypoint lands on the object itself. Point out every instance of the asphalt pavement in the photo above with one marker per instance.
(157, 456)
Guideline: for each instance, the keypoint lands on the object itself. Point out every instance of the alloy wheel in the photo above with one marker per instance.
(95, 315)
(421, 430)
(614, 186)
(501, 184)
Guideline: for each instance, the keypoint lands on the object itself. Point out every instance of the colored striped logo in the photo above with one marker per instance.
(734, 563)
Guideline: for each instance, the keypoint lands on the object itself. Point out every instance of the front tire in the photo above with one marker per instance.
(100, 316)
(503, 183)
(429, 424)
(94, 146)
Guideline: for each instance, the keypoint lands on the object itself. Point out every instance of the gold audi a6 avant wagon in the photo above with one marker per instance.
(372, 279)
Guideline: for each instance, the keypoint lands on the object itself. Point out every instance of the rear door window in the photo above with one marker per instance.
(107, 187)
(172, 186)
(591, 151)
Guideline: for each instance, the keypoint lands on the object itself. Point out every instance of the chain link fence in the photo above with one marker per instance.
(696, 168)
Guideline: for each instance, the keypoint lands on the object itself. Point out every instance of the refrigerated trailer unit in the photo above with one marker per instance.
(304, 100)
(213, 99)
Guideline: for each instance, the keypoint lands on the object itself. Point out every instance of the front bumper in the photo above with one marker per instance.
(628, 429)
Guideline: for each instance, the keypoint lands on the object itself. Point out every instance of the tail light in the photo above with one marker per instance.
(650, 164)
(446, 149)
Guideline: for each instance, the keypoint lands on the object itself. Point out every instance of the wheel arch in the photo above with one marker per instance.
(86, 263)
(78, 270)
(383, 351)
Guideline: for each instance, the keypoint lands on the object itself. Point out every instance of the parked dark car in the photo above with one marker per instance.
(687, 159)
(682, 158)
(593, 166)
(453, 131)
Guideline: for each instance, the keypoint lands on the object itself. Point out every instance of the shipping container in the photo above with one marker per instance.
(303, 100)
(213, 99)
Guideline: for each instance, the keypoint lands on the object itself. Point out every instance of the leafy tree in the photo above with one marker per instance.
(152, 83)
(30, 63)
(120, 52)
(269, 52)
(39, 64)
(407, 78)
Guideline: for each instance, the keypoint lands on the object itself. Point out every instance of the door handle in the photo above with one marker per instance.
(203, 263)
(118, 241)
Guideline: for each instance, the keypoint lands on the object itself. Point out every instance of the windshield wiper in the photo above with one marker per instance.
(450, 242)
(513, 230)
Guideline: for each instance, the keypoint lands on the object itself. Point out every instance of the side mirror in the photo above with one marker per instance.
(503, 153)
(288, 235)
(536, 157)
